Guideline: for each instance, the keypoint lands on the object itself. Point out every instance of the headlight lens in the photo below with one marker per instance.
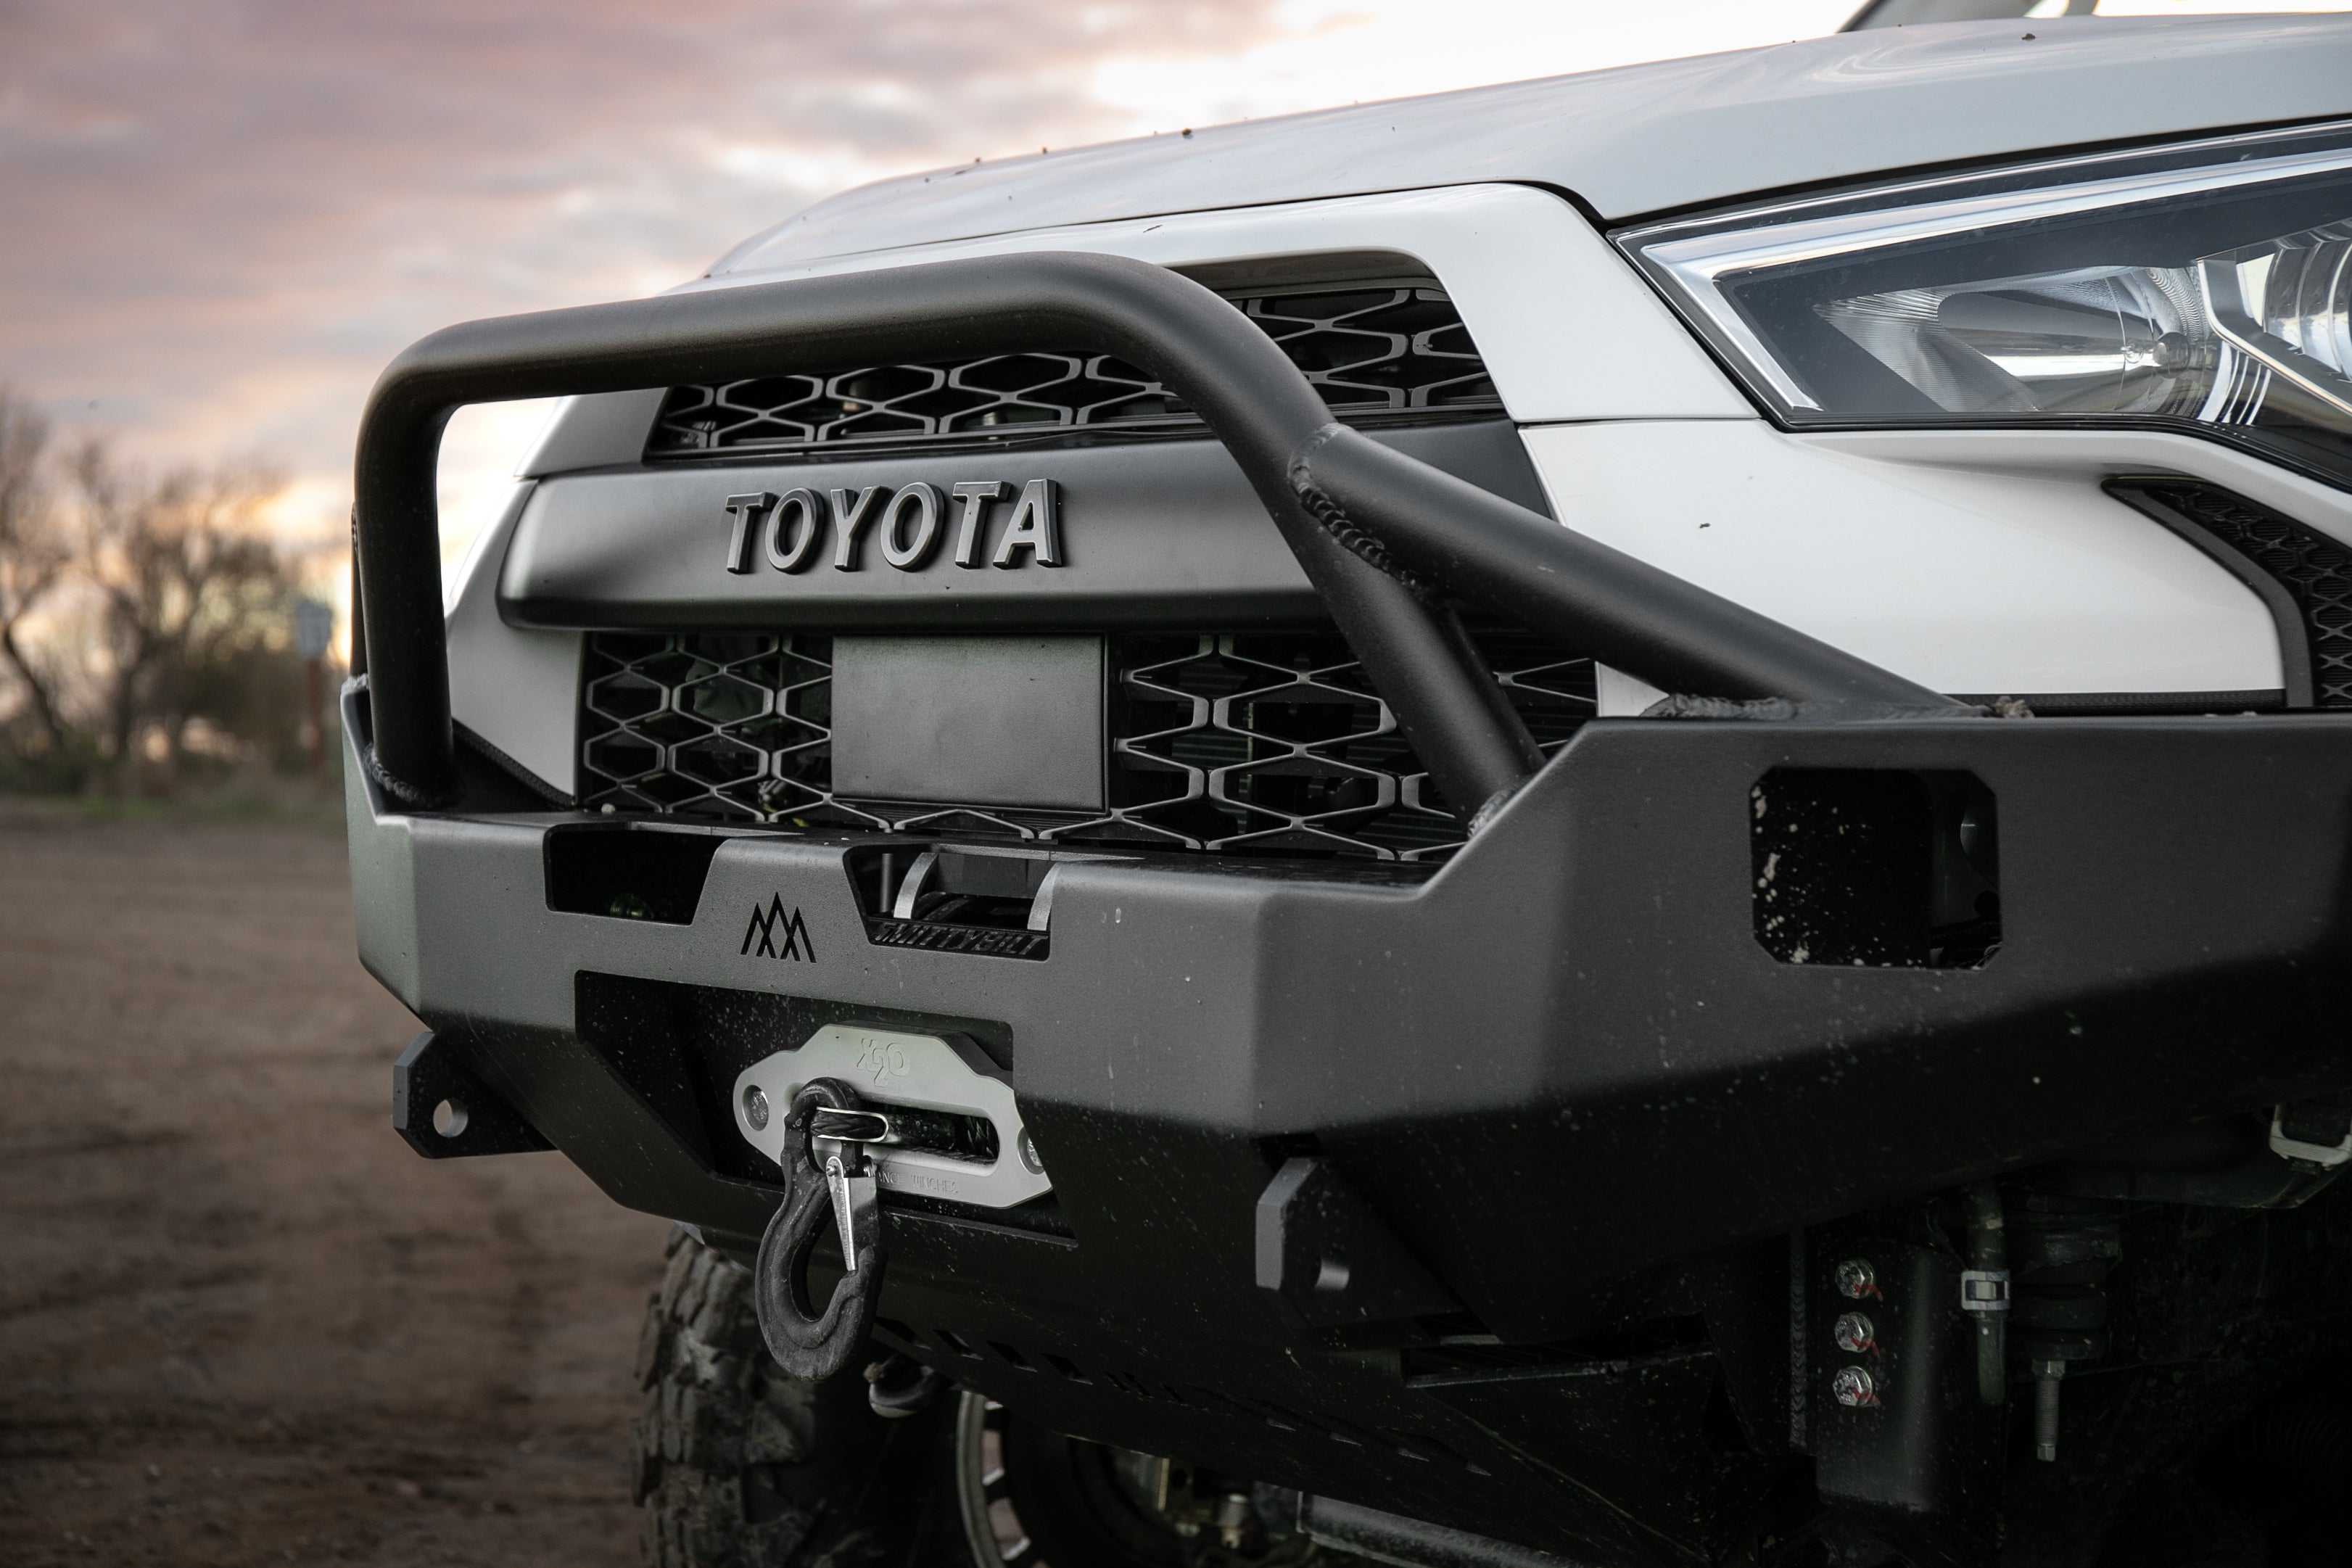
(2207, 286)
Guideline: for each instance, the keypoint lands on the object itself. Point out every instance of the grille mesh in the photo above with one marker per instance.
(2315, 570)
(1238, 742)
(1371, 350)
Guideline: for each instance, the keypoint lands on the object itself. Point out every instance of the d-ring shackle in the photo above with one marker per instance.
(829, 1181)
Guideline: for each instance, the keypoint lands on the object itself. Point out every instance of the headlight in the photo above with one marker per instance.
(2205, 286)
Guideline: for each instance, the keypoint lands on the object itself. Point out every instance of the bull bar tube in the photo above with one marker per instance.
(1316, 478)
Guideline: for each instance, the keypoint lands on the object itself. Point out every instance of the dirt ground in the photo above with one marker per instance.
(239, 1321)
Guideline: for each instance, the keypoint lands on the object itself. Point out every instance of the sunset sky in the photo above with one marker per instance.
(222, 216)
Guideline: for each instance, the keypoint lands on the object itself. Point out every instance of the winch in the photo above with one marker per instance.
(940, 1122)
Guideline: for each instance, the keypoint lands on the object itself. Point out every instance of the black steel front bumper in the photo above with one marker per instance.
(1564, 1062)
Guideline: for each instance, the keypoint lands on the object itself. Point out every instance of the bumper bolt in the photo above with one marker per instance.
(755, 1109)
(1854, 1388)
(1856, 1280)
(1854, 1334)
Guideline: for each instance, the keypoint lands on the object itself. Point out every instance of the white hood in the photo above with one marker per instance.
(1650, 139)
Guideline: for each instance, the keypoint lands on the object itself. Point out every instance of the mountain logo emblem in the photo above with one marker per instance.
(778, 936)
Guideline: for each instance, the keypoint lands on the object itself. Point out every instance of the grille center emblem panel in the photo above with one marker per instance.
(907, 526)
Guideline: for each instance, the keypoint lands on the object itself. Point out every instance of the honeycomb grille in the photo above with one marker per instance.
(1374, 352)
(2315, 570)
(1236, 743)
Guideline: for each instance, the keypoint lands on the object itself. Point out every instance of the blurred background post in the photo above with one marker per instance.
(314, 630)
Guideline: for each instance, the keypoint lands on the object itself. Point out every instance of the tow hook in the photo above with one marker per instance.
(829, 1172)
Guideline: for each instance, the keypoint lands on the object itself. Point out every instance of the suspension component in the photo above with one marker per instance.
(898, 1386)
(2060, 1250)
(2047, 1375)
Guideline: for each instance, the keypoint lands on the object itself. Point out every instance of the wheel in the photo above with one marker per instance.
(1033, 1499)
(738, 1466)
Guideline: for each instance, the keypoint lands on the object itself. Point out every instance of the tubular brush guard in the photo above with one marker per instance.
(1378, 535)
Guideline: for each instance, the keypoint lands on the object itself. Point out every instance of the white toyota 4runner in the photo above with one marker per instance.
(1601, 821)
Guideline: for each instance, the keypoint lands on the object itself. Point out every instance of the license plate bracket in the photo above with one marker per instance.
(985, 720)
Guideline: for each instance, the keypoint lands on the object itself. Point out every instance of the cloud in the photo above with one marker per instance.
(223, 215)
(1324, 52)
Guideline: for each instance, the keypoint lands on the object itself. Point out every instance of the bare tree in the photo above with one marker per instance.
(189, 587)
(34, 553)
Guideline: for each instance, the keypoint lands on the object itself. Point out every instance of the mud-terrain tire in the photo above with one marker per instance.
(736, 1465)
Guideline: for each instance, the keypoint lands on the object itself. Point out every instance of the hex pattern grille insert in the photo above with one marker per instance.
(1269, 743)
(2315, 570)
(1375, 351)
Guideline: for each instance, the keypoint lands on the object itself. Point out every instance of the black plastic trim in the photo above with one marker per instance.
(2141, 493)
